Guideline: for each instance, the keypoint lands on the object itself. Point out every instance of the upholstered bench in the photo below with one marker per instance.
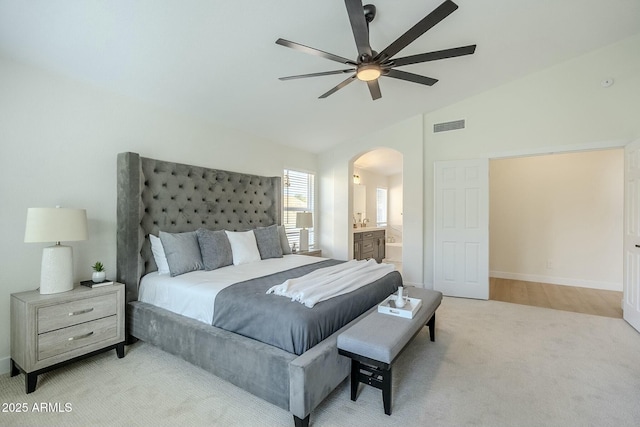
(374, 343)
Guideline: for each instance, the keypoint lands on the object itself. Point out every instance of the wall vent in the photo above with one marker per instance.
(447, 126)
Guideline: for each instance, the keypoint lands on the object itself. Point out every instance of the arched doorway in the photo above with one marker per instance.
(377, 203)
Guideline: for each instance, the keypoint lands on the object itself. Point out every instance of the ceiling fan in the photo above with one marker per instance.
(371, 65)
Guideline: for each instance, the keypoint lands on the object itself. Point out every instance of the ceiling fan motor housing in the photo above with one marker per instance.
(369, 12)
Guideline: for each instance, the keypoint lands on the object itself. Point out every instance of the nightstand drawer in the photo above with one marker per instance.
(74, 312)
(64, 340)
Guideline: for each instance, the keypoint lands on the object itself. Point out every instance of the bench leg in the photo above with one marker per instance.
(432, 327)
(386, 391)
(355, 379)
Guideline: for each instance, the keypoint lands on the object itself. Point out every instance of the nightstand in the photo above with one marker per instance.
(48, 331)
(311, 252)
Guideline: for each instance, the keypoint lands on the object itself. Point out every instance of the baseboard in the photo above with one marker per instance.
(566, 281)
(5, 365)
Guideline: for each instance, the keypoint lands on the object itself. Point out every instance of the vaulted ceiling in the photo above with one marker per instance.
(217, 60)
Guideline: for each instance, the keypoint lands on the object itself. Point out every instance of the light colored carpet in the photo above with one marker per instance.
(493, 364)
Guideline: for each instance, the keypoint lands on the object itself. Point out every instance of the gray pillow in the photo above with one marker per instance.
(268, 240)
(286, 248)
(215, 248)
(183, 252)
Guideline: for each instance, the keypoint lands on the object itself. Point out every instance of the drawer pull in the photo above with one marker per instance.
(75, 313)
(79, 337)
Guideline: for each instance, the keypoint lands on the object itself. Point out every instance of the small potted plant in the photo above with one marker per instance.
(98, 272)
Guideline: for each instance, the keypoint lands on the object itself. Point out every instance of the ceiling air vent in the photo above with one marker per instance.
(447, 126)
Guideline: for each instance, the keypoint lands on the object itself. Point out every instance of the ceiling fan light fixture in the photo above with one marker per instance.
(368, 72)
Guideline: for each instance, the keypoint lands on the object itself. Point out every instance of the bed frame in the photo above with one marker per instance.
(156, 195)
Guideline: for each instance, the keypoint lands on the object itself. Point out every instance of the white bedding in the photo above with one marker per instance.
(193, 294)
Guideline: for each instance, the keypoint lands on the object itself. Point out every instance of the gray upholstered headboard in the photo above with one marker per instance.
(155, 195)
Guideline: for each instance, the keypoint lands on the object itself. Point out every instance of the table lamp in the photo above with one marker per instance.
(56, 225)
(304, 220)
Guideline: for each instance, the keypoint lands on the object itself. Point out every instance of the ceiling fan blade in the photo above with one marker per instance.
(429, 21)
(415, 78)
(374, 89)
(359, 26)
(314, 51)
(337, 88)
(324, 73)
(434, 56)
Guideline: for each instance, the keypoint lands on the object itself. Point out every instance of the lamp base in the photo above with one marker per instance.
(304, 239)
(56, 274)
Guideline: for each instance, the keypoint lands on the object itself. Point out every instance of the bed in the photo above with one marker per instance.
(155, 195)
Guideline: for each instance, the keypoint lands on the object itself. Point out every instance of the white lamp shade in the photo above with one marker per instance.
(55, 225)
(304, 220)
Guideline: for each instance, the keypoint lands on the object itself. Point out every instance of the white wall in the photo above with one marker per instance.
(558, 219)
(562, 108)
(58, 145)
(559, 109)
(335, 192)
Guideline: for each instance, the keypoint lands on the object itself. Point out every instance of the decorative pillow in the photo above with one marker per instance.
(284, 242)
(183, 252)
(215, 248)
(268, 240)
(158, 254)
(243, 246)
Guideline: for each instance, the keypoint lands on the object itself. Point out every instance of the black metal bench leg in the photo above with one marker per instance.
(386, 391)
(432, 327)
(355, 379)
(301, 422)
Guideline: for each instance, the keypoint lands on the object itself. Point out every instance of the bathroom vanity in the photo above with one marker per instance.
(369, 243)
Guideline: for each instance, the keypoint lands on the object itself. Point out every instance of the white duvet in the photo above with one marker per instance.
(193, 294)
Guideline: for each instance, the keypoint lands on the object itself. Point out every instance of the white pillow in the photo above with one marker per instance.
(243, 247)
(158, 254)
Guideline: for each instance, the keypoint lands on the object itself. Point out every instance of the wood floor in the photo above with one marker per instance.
(567, 298)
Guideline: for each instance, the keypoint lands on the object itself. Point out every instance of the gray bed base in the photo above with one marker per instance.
(155, 195)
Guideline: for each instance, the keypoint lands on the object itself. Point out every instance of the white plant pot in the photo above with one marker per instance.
(98, 276)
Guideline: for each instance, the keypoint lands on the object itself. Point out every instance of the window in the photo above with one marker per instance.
(299, 196)
(381, 207)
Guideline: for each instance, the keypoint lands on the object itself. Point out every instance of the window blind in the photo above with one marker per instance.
(299, 196)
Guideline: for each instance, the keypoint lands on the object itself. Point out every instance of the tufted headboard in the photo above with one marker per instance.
(155, 195)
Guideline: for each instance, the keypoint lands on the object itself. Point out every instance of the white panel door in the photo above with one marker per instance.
(631, 275)
(461, 254)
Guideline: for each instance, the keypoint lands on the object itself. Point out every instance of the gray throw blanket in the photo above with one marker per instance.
(245, 308)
